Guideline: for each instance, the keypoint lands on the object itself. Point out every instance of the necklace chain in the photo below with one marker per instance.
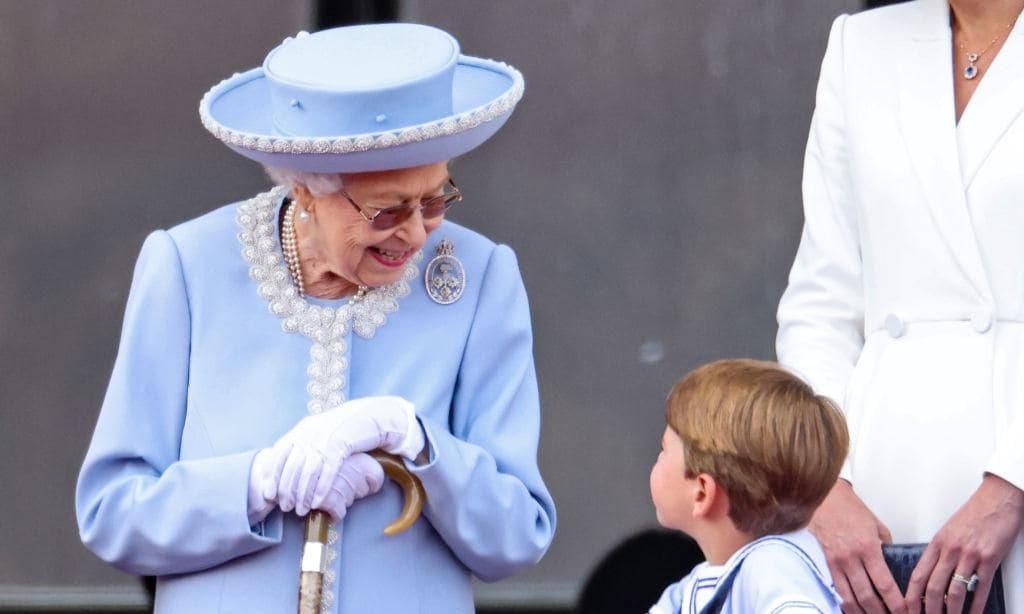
(290, 248)
(971, 70)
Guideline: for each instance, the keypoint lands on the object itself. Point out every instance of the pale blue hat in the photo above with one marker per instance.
(362, 98)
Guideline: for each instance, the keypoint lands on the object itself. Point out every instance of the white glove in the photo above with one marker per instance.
(306, 460)
(360, 476)
(259, 475)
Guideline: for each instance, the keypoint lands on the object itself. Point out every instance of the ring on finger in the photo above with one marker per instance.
(945, 598)
(971, 583)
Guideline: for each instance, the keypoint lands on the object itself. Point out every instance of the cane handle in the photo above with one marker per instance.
(411, 487)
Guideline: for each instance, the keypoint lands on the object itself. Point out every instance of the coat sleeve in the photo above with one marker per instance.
(138, 506)
(1007, 461)
(485, 495)
(821, 314)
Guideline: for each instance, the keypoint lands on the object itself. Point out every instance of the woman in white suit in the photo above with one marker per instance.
(906, 299)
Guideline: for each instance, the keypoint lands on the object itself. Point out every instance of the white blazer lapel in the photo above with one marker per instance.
(927, 116)
(995, 105)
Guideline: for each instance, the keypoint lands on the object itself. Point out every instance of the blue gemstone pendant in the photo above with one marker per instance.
(971, 71)
(445, 277)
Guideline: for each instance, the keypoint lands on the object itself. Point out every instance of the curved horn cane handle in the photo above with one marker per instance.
(411, 486)
(311, 574)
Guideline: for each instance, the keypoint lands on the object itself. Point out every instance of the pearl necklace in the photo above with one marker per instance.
(290, 247)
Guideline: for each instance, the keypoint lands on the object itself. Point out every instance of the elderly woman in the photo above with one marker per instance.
(906, 299)
(271, 343)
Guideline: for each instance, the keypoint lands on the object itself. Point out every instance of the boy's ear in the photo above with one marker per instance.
(708, 498)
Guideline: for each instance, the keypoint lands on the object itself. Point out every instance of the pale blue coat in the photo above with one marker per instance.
(205, 376)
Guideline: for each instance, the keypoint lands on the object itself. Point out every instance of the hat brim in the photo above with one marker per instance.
(484, 93)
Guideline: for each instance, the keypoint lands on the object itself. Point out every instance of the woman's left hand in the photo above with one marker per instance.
(360, 476)
(973, 542)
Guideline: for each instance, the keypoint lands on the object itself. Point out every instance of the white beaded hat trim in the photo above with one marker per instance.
(447, 126)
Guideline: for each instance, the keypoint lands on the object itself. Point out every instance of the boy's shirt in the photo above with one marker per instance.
(778, 574)
(692, 593)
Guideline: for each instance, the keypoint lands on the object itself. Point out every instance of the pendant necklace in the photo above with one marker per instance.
(971, 70)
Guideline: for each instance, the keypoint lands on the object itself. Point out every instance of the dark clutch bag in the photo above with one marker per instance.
(902, 558)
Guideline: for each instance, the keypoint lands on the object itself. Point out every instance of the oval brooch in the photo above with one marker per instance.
(445, 277)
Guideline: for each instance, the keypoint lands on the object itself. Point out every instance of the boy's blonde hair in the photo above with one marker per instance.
(764, 436)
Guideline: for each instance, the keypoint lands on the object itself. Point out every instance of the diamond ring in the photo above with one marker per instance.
(971, 583)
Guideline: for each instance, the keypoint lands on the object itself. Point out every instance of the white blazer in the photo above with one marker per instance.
(905, 303)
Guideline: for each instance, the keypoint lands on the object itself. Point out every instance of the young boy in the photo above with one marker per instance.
(748, 454)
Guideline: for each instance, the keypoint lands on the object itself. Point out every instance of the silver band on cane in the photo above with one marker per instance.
(313, 558)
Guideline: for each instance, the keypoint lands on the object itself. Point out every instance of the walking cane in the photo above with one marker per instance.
(311, 573)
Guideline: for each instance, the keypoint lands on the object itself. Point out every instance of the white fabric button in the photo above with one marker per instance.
(981, 322)
(894, 325)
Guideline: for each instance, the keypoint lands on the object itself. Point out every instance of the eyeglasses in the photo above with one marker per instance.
(385, 219)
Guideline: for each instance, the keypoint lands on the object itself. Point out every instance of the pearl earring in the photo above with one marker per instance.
(303, 215)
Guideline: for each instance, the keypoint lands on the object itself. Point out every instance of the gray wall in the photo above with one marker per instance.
(649, 182)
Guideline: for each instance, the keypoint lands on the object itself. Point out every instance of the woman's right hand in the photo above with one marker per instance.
(360, 476)
(852, 537)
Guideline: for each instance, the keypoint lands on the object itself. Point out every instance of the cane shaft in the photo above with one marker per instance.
(311, 577)
(311, 586)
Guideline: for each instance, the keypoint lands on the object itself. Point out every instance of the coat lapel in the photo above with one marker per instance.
(928, 122)
(995, 105)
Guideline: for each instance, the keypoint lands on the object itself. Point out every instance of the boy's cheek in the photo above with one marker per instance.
(654, 486)
(656, 494)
